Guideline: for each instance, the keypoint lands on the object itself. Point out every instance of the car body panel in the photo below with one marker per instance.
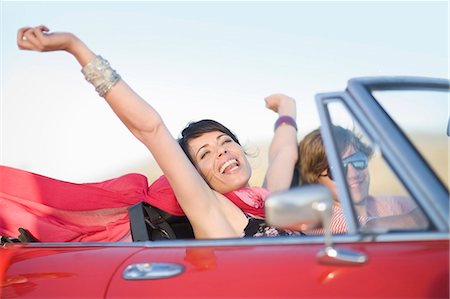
(240, 270)
(49, 272)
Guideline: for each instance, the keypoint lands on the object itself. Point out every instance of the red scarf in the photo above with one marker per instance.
(58, 211)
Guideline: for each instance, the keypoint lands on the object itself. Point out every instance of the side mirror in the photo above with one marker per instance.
(307, 207)
(302, 208)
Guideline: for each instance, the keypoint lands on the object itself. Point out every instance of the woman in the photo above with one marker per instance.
(381, 211)
(215, 163)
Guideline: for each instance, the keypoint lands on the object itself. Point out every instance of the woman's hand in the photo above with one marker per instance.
(40, 39)
(281, 104)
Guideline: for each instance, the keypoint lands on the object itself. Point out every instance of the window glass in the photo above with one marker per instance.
(423, 116)
(377, 196)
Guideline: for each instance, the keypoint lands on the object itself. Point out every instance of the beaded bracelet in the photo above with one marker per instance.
(285, 119)
(99, 73)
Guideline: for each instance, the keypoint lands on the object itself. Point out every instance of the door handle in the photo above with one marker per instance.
(142, 271)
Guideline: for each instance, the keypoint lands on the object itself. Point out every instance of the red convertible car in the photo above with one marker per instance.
(404, 119)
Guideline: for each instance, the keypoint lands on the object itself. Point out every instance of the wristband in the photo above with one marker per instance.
(99, 73)
(285, 119)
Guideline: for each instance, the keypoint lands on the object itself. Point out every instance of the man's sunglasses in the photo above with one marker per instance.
(358, 160)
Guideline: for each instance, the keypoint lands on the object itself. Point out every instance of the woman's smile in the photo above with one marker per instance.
(229, 166)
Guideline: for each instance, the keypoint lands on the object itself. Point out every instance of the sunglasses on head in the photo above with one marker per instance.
(358, 160)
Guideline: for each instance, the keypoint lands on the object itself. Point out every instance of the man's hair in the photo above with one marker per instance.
(312, 156)
(198, 128)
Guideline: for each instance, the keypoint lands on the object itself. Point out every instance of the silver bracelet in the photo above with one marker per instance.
(99, 73)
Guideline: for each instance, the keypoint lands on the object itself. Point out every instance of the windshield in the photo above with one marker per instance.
(423, 116)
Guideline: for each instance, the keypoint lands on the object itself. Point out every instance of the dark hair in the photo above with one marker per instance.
(198, 128)
(312, 156)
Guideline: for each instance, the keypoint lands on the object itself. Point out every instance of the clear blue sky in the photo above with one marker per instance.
(195, 60)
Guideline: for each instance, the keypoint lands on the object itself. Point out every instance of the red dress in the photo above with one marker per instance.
(58, 211)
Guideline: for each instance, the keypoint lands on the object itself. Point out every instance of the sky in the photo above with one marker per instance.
(195, 60)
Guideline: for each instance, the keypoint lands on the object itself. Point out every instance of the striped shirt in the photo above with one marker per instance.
(376, 207)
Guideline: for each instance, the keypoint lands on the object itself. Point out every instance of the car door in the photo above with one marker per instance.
(285, 267)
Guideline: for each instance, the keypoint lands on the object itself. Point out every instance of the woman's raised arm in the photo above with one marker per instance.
(283, 151)
(194, 195)
(140, 118)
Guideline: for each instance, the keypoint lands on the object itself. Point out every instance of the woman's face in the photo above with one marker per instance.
(358, 178)
(220, 161)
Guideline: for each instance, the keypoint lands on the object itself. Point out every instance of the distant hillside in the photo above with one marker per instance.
(435, 151)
